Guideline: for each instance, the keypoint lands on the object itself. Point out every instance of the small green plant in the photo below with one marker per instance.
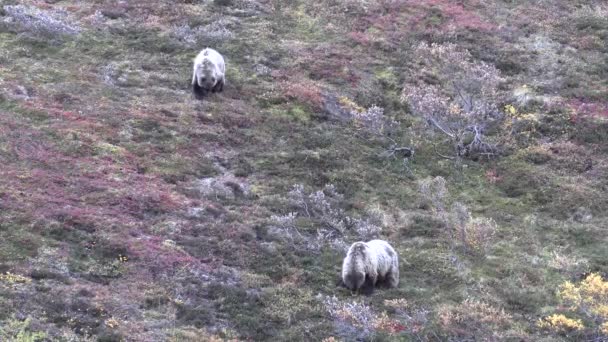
(19, 331)
(222, 2)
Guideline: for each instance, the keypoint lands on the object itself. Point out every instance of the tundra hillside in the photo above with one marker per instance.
(472, 135)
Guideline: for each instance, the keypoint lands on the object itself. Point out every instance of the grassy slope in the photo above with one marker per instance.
(104, 215)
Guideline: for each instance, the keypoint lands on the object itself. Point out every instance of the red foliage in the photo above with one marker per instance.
(582, 108)
(588, 42)
(82, 192)
(159, 255)
(454, 16)
(304, 91)
(492, 176)
(333, 65)
(359, 37)
(396, 19)
(399, 327)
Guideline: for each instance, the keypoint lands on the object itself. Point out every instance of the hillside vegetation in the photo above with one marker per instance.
(472, 135)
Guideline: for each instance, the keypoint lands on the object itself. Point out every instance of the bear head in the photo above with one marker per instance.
(354, 281)
(206, 75)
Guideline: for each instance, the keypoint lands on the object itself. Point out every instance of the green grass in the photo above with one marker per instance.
(106, 156)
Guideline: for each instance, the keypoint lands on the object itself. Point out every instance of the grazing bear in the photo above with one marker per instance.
(209, 73)
(370, 263)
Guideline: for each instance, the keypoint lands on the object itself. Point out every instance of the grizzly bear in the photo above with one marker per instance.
(368, 264)
(208, 73)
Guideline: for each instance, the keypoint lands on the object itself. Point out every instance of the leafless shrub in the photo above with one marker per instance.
(351, 318)
(433, 192)
(97, 20)
(565, 262)
(48, 23)
(216, 31)
(374, 121)
(396, 150)
(355, 319)
(52, 260)
(185, 33)
(261, 69)
(284, 228)
(331, 238)
(247, 8)
(473, 234)
(366, 229)
(415, 319)
(370, 120)
(110, 74)
(551, 60)
(461, 110)
(370, 226)
(322, 206)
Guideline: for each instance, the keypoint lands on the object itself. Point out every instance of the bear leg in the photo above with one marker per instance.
(392, 278)
(368, 286)
(199, 92)
(219, 86)
(340, 282)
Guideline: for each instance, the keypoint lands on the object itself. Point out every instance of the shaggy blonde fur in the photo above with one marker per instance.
(368, 264)
(209, 72)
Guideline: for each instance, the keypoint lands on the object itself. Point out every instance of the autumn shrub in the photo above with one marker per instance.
(587, 299)
(520, 128)
(477, 234)
(459, 99)
(560, 323)
(10, 278)
(473, 319)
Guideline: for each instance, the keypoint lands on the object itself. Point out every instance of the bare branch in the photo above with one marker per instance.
(441, 155)
(438, 126)
(462, 109)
